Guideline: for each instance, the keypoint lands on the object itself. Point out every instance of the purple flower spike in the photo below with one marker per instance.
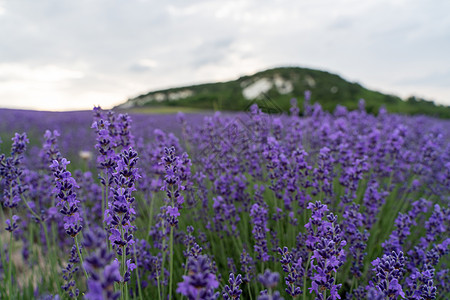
(201, 281)
(12, 172)
(121, 212)
(176, 182)
(259, 217)
(247, 266)
(294, 110)
(173, 211)
(11, 226)
(232, 291)
(403, 225)
(264, 295)
(19, 145)
(103, 270)
(65, 186)
(389, 270)
(69, 274)
(294, 271)
(325, 241)
(269, 280)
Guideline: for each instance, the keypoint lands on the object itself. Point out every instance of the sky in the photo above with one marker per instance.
(72, 55)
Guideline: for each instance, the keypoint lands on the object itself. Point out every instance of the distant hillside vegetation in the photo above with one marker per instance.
(280, 85)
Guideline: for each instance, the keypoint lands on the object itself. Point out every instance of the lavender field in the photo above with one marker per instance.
(105, 205)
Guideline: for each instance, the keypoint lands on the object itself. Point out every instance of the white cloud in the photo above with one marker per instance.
(76, 52)
(46, 73)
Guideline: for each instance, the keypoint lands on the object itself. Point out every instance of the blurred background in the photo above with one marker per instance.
(72, 55)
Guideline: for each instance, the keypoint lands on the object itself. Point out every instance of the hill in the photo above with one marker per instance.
(280, 85)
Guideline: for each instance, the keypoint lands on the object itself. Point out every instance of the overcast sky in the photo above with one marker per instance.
(65, 54)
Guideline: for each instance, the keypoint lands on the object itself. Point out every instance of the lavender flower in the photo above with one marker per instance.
(294, 108)
(103, 270)
(294, 271)
(259, 218)
(69, 273)
(403, 224)
(50, 149)
(201, 281)
(66, 196)
(247, 266)
(121, 213)
(357, 240)
(325, 240)
(270, 281)
(11, 224)
(307, 104)
(11, 172)
(176, 180)
(373, 200)
(323, 175)
(388, 273)
(123, 124)
(232, 291)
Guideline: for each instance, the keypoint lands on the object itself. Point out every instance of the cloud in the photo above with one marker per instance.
(143, 65)
(42, 74)
(115, 50)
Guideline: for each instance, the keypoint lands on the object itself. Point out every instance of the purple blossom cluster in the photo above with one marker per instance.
(326, 243)
(121, 212)
(69, 274)
(201, 281)
(103, 269)
(232, 290)
(259, 219)
(12, 173)
(176, 180)
(64, 190)
(294, 271)
(269, 280)
(388, 274)
(403, 225)
(113, 135)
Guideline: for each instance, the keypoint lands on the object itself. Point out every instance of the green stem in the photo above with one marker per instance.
(171, 262)
(47, 240)
(103, 204)
(304, 277)
(159, 288)
(122, 266)
(50, 250)
(137, 273)
(249, 291)
(10, 265)
(29, 208)
(352, 285)
(163, 263)
(2, 214)
(80, 256)
(2, 256)
(10, 250)
(150, 219)
(122, 284)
